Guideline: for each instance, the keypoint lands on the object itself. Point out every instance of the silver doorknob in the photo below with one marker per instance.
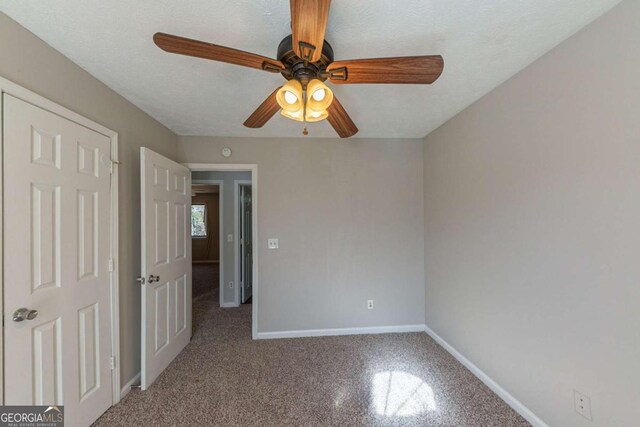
(24, 314)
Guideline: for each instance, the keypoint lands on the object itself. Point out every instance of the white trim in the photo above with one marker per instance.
(253, 168)
(2, 242)
(221, 237)
(236, 230)
(115, 273)
(518, 406)
(221, 167)
(369, 330)
(127, 387)
(229, 305)
(26, 95)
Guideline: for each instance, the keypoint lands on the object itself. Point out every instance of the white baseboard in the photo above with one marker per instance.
(229, 305)
(341, 331)
(127, 387)
(518, 406)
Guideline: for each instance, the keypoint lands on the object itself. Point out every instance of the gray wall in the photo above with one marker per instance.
(349, 216)
(532, 210)
(229, 257)
(29, 62)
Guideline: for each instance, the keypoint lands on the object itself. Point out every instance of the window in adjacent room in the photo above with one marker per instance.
(198, 221)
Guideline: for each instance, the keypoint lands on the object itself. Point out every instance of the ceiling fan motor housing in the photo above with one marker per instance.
(299, 69)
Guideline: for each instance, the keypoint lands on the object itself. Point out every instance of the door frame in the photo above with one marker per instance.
(17, 91)
(236, 230)
(220, 184)
(241, 167)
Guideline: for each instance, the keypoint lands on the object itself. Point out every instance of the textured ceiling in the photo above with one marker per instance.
(483, 44)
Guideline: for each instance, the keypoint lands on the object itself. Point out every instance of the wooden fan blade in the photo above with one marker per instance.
(340, 120)
(264, 112)
(189, 47)
(408, 69)
(308, 25)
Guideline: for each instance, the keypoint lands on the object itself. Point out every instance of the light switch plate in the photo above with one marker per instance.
(229, 237)
(272, 243)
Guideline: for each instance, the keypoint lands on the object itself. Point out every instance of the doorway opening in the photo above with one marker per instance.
(224, 224)
(206, 224)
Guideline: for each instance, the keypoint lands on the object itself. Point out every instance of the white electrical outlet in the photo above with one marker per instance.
(231, 285)
(272, 243)
(583, 404)
(370, 304)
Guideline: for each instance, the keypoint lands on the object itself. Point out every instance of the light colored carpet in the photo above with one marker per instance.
(223, 378)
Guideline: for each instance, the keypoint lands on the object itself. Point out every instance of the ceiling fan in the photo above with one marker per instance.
(305, 59)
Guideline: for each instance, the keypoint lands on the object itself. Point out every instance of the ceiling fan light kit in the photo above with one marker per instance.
(304, 102)
(306, 60)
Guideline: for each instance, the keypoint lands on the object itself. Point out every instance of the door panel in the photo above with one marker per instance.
(166, 254)
(45, 236)
(87, 234)
(180, 237)
(56, 253)
(47, 363)
(181, 298)
(89, 348)
(161, 293)
(247, 242)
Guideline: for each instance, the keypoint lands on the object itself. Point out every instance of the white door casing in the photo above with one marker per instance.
(253, 168)
(57, 260)
(166, 255)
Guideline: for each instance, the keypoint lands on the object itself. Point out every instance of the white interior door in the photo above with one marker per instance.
(56, 257)
(166, 262)
(246, 251)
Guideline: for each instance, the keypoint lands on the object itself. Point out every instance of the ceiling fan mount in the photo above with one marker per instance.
(300, 69)
(305, 97)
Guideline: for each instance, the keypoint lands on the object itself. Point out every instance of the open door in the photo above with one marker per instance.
(166, 262)
(246, 243)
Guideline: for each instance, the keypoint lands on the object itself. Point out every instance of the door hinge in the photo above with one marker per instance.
(110, 265)
(112, 363)
(111, 163)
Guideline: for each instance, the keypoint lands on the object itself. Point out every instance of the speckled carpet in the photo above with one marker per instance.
(223, 378)
(205, 278)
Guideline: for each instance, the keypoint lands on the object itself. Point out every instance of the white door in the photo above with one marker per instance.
(166, 262)
(56, 257)
(246, 243)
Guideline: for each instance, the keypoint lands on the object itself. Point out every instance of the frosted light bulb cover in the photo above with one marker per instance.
(290, 97)
(319, 95)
